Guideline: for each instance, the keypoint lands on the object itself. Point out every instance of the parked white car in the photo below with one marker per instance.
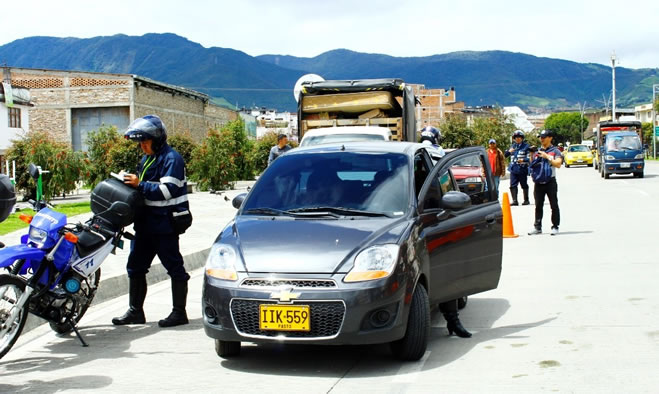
(326, 135)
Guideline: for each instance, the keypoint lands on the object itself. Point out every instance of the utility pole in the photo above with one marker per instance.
(655, 90)
(582, 109)
(613, 74)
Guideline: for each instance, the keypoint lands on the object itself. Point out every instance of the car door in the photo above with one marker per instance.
(464, 246)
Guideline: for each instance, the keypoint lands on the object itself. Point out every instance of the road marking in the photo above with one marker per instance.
(409, 372)
(643, 192)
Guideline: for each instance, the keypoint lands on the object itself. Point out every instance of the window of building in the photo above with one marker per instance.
(15, 118)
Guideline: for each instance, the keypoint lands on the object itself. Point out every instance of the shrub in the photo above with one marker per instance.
(185, 146)
(221, 159)
(110, 152)
(261, 150)
(65, 166)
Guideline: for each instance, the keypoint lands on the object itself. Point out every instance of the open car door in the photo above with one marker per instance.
(462, 225)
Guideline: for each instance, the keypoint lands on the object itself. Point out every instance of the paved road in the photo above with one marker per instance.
(574, 313)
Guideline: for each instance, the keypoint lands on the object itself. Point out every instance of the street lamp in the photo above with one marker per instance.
(613, 75)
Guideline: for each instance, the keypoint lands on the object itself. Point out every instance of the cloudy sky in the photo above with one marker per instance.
(582, 31)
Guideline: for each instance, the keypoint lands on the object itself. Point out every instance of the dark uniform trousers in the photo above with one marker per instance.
(145, 247)
(550, 189)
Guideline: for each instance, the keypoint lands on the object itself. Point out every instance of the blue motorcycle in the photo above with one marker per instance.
(55, 272)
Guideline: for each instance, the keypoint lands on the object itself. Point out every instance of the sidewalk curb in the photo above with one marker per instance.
(117, 286)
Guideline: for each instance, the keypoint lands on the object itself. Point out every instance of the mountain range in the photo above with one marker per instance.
(233, 77)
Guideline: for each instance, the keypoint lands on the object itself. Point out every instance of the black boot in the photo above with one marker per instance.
(136, 295)
(526, 196)
(454, 326)
(513, 194)
(179, 295)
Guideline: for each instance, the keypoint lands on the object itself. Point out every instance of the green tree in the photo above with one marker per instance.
(567, 126)
(647, 133)
(455, 132)
(499, 126)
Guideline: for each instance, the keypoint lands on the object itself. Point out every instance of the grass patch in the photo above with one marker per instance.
(13, 223)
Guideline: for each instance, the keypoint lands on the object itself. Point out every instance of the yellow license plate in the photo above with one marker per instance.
(284, 317)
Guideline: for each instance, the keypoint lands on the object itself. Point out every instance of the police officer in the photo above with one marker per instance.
(432, 136)
(161, 180)
(519, 166)
(551, 155)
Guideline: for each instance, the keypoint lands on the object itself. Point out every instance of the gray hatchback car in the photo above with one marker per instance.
(351, 244)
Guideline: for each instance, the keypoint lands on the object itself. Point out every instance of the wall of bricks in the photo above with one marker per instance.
(217, 116)
(52, 121)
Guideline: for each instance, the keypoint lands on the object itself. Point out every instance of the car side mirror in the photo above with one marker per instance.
(455, 200)
(33, 170)
(238, 200)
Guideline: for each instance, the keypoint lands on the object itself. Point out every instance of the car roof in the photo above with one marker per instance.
(407, 148)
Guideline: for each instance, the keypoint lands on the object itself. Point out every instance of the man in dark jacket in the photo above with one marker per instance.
(551, 156)
(161, 180)
(519, 166)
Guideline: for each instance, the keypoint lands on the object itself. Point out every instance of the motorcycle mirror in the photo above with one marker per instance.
(33, 170)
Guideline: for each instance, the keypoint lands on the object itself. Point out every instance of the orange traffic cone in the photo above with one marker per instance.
(508, 231)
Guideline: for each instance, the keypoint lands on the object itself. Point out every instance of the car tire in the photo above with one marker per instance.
(638, 175)
(227, 349)
(415, 342)
(462, 302)
(605, 174)
(567, 165)
(590, 165)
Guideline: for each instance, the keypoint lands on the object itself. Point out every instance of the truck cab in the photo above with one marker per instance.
(620, 150)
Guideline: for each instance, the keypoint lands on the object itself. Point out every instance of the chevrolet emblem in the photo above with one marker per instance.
(285, 295)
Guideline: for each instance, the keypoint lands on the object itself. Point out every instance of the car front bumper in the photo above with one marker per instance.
(576, 162)
(339, 316)
(624, 167)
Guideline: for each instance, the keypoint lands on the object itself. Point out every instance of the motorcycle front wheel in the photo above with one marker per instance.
(89, 287)
(11, 290)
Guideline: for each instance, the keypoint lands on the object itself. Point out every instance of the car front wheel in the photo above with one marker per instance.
(413, 345)
(227, 349)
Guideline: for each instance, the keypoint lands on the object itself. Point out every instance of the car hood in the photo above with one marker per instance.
(284, 245)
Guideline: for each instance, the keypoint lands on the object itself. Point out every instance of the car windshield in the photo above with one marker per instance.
(333, 138)
(578, 148)
(623, 142)
(337, 183)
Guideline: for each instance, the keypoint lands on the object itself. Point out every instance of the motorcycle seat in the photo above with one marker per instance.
(88, 242)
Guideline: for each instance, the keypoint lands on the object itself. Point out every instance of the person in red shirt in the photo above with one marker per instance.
(497, 162)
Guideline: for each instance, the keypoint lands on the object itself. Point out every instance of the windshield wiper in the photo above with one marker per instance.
(267, 211)
(629, 148)
(341, 211)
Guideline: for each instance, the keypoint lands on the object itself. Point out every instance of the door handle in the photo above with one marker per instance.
(490, 219)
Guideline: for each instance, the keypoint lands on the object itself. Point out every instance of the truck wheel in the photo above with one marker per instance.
(227, 349)
(415, 342)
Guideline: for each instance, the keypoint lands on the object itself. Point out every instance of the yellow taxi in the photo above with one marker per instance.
(578, 155)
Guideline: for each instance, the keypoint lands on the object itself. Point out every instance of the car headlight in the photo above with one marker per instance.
(37, 235)
(639, 156)
(221, 261)
(609, 157)
(473, 179)
(372, 263)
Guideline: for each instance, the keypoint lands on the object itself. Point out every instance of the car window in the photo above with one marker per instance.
(376, 182)
(471, 177)
(578, 148)
(335, 138)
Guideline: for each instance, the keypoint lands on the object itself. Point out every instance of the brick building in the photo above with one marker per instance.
(435, 104)
(70, 104)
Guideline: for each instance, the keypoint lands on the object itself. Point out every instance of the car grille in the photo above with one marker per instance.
(297, 283)
(326, 319)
